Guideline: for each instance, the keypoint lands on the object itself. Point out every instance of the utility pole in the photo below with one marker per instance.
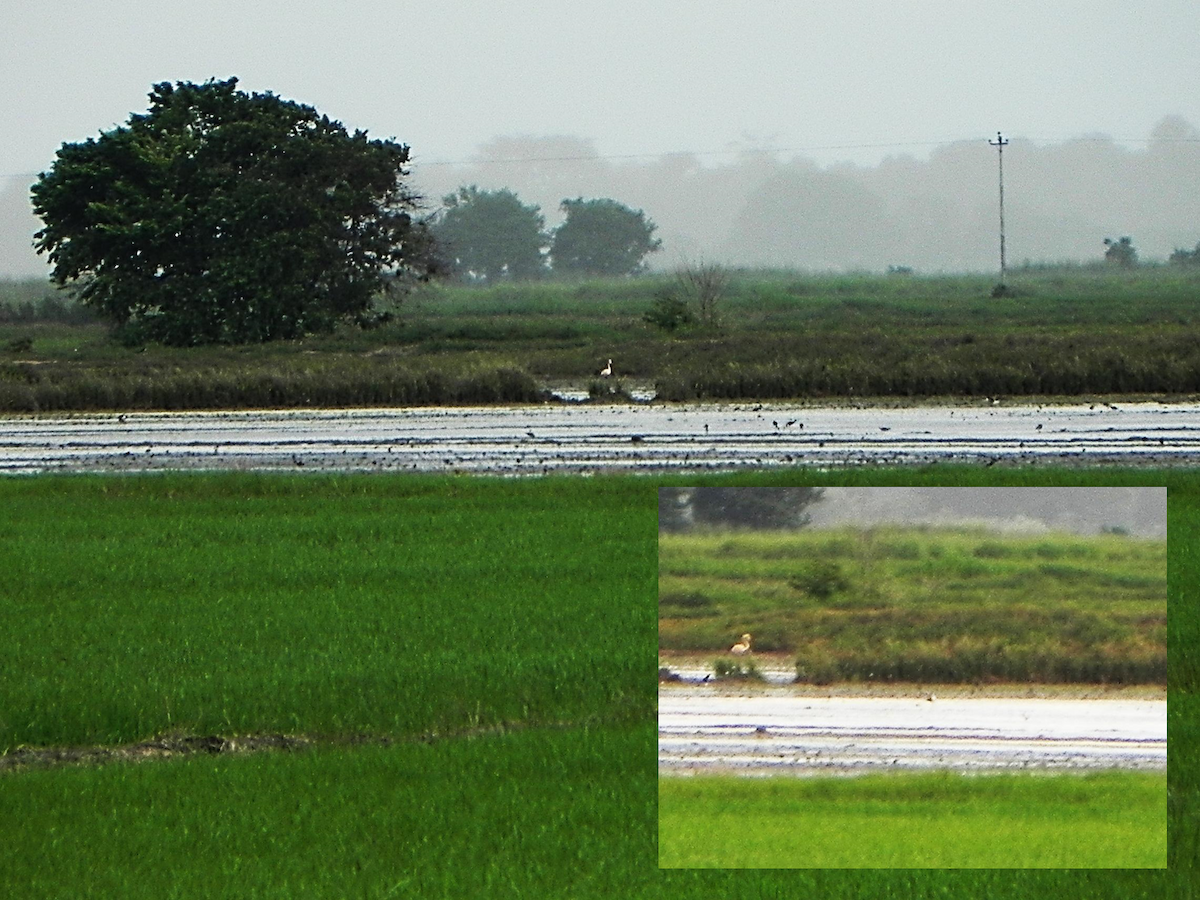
(999, 143)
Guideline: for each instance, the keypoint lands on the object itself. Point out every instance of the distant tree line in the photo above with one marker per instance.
(1122, 253)
(219, 216)
(1186, 257)
(488, 235)
(682, 509)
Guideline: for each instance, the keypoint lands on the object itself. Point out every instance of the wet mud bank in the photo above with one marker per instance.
(777, 732)
(603, 438)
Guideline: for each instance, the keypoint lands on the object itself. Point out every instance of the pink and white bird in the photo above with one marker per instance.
(607, 370)
(742, 647)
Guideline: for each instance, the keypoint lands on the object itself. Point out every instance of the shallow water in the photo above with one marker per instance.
(584, 438)
(703, 731)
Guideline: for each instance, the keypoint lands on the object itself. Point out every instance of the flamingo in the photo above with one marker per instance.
(742, 647)
(607, 370)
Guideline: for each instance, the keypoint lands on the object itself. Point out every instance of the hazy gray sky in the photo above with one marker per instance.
(884, 84)
(1141, 511)
(644, 77)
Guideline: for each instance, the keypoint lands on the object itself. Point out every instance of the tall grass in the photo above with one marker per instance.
(900, 604)
(28, 387)
(778, 335)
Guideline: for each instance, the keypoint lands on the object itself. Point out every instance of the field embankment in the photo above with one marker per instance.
(780, 335)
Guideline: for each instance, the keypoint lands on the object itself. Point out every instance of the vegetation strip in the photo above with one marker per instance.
(777, 335)
(1107, 820)
(172, 746)
(887, 605)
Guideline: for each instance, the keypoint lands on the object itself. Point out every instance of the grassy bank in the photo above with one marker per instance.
(781, 335)
(896, 604)
(937, 821)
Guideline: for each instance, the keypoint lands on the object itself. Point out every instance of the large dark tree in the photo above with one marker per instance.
(221, 216)
(602, 237)
(490, 235)
(742, 507)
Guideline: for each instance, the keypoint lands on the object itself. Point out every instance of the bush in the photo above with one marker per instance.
(669, 313)
(728, 669)
(817, 665)
(821, 580)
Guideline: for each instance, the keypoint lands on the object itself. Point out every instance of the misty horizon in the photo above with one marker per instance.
(805, 135)
(934, 215)
(1141, 512)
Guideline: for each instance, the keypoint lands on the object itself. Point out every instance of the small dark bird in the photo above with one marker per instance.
(792, 422)
(1039, 428)
(530, 433)
(776, 424)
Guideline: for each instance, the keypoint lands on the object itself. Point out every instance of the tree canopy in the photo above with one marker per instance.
(221, 216)
(491, 234)
(680, 509)
(1120, 253)
(1183, 257)
(602, 237)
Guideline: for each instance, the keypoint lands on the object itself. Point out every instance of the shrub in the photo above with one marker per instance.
(821, 580)
(728, 669)
(669, 313)
(816, 665)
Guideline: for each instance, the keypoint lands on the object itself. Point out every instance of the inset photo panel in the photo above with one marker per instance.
(912, 677)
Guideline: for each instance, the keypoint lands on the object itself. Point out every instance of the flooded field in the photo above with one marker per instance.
(584, 438)
(775, 731)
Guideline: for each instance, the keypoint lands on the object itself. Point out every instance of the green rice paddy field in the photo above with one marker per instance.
(941, 820)
(470, 659)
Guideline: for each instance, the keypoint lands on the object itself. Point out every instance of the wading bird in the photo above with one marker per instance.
(742, 647)
(607, 370)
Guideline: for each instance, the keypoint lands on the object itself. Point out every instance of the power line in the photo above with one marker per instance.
(771, 150)
(732, 152)
(599, 157)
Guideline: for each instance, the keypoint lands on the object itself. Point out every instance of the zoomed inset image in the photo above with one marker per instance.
(912, 677)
